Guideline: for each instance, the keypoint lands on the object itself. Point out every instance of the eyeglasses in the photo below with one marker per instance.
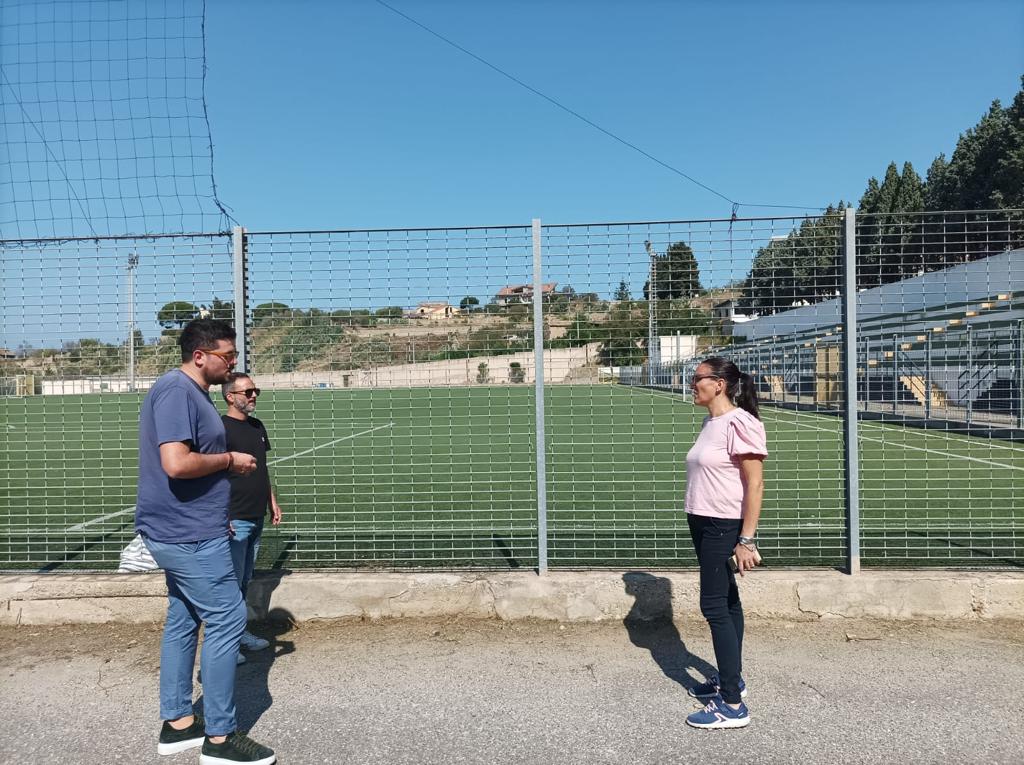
(227, 356)
(697, 378)
(248, 392)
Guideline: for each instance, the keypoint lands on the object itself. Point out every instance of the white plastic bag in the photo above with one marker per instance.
(136, 558)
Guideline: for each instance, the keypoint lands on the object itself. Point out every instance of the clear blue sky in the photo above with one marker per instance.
(339, 115)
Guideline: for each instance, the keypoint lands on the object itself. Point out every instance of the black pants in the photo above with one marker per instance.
(714, 540)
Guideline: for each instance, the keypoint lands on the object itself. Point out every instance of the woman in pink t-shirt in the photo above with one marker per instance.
(724, 488)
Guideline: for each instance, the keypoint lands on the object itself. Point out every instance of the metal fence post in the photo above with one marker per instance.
(1020, 373)
(928, 375)
(867, 373)
(239, 258)
(538, 365)
(895, 373)
(851, 466)
(970, 375)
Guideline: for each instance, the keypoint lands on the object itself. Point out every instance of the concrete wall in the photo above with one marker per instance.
(560, 365)
(559, 596)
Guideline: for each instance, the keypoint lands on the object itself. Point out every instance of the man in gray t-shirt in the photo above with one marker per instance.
(182, 515)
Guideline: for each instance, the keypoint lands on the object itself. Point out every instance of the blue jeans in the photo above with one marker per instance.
(201, 588)
(245, 546)
(714, 540)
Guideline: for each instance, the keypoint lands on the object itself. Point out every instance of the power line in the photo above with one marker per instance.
(587, 120)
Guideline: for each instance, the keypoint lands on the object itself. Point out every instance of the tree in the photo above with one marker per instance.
(676, 274)
(516, 373)
(389, 312)
(469, 304)
(483, 374)
(888, 236)
(265, 311)
(801, 267)
(176, 314)
(621, 292)
(222, 309)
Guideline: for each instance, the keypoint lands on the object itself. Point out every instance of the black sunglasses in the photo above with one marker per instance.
(697, 378)
(253, 392)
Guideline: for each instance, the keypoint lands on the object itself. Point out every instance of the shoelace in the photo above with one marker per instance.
(246, 745)
(712, 706)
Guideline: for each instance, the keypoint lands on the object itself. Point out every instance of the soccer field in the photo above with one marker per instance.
(446, 478)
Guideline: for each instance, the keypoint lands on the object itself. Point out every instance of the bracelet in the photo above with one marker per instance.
(231, 461)
(748, 541)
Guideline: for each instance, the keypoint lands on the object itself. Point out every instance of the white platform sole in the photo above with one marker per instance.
(179, 746)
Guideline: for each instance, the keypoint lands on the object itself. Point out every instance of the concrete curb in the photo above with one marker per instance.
(560, 596)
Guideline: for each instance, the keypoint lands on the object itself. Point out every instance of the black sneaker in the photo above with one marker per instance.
(237, 747)
(173, 741)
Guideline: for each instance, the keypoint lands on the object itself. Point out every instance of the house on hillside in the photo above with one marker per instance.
(521, 294)
(433, 310)
(724, 305)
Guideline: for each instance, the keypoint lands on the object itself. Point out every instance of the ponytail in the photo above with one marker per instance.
(746, 395)
(739, 386)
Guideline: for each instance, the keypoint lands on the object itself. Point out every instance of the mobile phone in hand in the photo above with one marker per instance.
(734, 565)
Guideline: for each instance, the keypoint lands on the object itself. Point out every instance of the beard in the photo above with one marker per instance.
(247, 408)
(216, 378)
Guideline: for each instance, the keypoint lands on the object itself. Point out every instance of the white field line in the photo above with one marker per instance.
(838, 431)
(85, 524)
(108, 516)
(889, 429)
(330, 443)
(915, 448)
(657, 394)
(821, 418)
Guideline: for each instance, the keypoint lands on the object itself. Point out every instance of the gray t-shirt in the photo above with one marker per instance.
(180, 509)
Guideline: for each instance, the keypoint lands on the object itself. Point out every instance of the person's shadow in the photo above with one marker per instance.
(650, 626)
(252, 681)
(252, 686)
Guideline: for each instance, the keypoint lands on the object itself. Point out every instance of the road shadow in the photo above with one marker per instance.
(252, 681)
(650, 624)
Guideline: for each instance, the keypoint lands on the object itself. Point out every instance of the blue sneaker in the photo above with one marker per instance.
(718, 714)
(712, 688)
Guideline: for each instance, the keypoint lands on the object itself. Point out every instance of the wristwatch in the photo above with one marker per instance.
(750, 542)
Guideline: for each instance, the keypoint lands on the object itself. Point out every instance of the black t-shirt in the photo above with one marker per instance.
(250, 494)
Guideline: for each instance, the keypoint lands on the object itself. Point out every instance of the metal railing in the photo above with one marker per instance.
(517, 396)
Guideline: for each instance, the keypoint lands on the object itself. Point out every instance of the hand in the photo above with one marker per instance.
(242, 463)
(746, 559)
(275, 514)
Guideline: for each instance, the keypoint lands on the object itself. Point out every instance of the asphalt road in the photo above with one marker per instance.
(835, 691)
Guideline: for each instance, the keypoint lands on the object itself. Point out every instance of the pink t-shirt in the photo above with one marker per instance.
(713, 483)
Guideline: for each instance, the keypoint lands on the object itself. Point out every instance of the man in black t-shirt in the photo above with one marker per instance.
(251, 495)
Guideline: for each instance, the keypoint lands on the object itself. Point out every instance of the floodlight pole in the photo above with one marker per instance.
(652, 330)
(133, 262)
(239, 259)
(851, 462)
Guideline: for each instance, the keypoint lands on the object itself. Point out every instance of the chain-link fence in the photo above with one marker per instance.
(518, 396)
